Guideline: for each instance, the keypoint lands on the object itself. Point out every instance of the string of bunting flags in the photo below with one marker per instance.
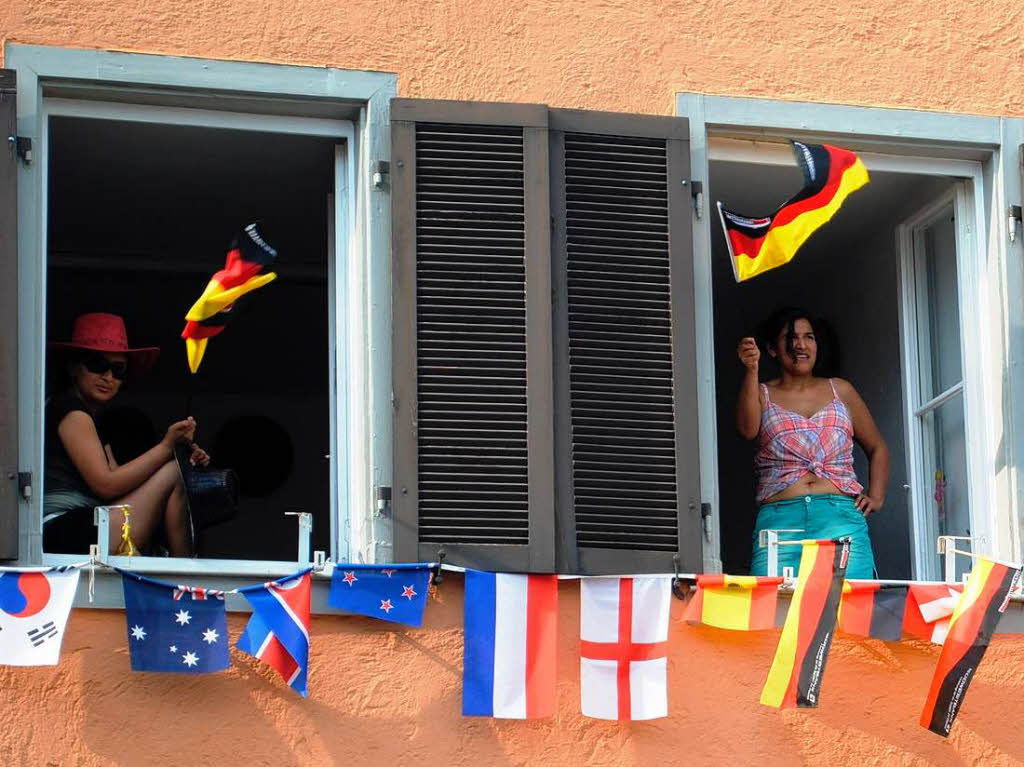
(511, 627)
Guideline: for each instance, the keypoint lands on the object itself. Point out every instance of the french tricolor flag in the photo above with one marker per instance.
(511, 627)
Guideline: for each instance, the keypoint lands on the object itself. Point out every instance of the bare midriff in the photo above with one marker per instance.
(808, 484)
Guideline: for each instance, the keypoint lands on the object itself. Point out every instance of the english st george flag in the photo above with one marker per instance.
(624, 647)
(970, 629)
(756, 245)
(799, 665)
(245, 269)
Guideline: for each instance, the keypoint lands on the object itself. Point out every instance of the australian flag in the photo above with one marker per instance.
(390, 592)
(278, 631)
(174, 628)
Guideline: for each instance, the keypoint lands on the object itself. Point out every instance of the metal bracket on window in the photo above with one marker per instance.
(705, 518)
(25, 484)
(381, 173)
(769, 539)
(438, 578)
(305, 533)
(948, 550)
(383, 501)
(679, 591)
(23, 147)
(697, 192)
(1014, 215)
(101, 518)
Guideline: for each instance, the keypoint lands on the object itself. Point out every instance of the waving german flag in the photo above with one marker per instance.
(759, 244)
(799, 665)
(244, 270)
(737, 602)
(970, 629)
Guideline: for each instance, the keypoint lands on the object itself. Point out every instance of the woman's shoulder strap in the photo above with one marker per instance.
(832, 383)
(764, 390)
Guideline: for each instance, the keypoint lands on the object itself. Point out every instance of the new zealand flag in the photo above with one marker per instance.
(170, 628)
(390, 592)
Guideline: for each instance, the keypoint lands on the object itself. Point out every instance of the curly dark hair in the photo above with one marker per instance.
(784, 319)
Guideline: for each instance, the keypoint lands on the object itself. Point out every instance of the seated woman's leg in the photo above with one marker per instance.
(158, 500)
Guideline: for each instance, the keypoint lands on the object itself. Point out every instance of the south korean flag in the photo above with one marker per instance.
(34, 608)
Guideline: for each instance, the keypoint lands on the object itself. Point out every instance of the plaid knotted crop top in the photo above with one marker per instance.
(792, 446)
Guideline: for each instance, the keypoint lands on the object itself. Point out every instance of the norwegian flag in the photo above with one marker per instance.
(624, 647)
(278, 631)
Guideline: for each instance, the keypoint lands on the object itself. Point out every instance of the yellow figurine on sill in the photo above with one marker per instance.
(126, 548)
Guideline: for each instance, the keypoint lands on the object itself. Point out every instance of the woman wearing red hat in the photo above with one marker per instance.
(80, 470)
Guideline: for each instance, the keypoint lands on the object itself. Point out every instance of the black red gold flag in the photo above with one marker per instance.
(737, 602)
(245, 269)
(970, 629)
(794, 679)
(870, 609)
(756, 245)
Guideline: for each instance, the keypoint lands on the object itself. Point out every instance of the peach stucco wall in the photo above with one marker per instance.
(620, 55)
(386, 695)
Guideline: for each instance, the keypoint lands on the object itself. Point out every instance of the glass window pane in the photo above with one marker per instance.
(946, 470)
(942, 307)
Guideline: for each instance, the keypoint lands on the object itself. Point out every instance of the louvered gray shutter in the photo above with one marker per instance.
(9, 320)
(626, 454)
(472, 334)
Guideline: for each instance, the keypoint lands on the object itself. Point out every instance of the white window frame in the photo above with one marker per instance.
(916, 356)
(360, 267)
(965, 146)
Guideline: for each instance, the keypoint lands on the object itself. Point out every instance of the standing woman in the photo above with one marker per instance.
(807, 426)
(80, 470)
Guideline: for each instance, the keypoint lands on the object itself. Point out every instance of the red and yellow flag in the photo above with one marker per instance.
(244, 270)
(759, 244)
(799, 665)
(970, 629)
(869, 609)
(737, 602)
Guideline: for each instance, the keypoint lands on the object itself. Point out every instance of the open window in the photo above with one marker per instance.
(912, 273)
(543, 339)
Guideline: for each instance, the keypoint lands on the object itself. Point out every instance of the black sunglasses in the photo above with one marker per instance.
(98, 364)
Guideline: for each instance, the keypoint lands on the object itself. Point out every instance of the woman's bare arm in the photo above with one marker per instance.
(77, 433)
(871, 441)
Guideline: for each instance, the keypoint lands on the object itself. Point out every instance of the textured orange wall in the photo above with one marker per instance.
(621, 55)
(392, 696)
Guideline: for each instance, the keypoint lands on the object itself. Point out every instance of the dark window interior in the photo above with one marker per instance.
(848, 274)
(140, 218)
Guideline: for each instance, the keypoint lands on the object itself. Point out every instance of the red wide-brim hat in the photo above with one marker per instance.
(98, 332)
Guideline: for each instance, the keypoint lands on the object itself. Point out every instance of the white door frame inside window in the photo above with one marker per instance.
(916, 356)
(962, 146)
(341, 343)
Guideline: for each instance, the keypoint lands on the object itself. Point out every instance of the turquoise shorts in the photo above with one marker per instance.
(819, 516)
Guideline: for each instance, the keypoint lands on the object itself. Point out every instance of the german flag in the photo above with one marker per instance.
(759, 244)
(970, 629)
(795, 676)
(737, 602)
(244, 270)
(870, 609)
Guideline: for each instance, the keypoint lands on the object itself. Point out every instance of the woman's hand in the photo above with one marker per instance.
(181, 431)
(867, 504)
(749, 354)
(199, 456)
